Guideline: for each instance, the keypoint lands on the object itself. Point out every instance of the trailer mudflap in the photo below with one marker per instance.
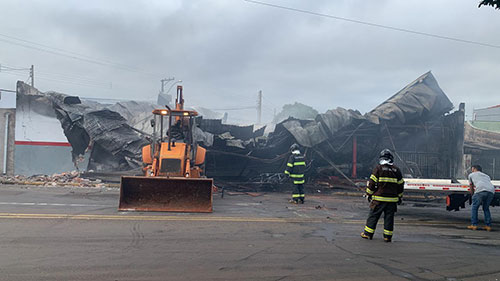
(456, 201)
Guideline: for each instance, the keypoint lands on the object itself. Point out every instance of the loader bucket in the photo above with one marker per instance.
(161, 194)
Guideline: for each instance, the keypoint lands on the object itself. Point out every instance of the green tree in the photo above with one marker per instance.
(296, 110)
(492, 3)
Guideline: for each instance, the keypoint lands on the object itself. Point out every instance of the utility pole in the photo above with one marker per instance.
(164, 82)
(32, 75)
(164, 98)
(259, 108)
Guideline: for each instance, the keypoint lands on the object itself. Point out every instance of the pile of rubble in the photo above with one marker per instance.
(416, 123)
(64, 179)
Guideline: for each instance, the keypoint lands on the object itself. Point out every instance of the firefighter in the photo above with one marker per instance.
(295, 168)
(385, 192)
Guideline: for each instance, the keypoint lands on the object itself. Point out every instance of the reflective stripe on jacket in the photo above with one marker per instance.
(295, 167)
(386, 183)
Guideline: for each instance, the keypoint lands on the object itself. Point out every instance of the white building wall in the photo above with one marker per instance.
(40, 144)
(7, 131)
(487, 114)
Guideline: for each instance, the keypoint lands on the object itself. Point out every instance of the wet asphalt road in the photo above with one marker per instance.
(78, 234)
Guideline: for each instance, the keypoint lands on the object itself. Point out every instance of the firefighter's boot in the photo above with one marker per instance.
(387, 235)
(366, 235)
(387, 238)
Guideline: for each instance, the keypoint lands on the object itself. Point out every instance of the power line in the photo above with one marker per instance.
(239, 119)
(103, 86)
(44, 77)
(69, 76)
(14, 73)
(17, 74)
(59, 49)
(235, 108)
(57, 77)
(69, 54)
(13, 67)
(268, 101)
(4, 67)
(375, 24)
(249, 97)
(7, 68)
(51, 52)
(269, 109)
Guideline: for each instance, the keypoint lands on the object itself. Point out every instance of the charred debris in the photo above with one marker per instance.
(341, 145)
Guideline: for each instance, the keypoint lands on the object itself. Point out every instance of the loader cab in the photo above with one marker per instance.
(173, 125)
(174, 148)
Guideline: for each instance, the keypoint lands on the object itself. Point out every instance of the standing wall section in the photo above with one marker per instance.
(7, 131)
(40, 144)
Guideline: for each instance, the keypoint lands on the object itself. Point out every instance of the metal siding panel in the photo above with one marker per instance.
(48, 160)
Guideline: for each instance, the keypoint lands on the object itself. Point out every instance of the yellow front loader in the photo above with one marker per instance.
(173, 178)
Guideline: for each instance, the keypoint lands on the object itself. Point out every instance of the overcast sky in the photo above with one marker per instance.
(225, 51)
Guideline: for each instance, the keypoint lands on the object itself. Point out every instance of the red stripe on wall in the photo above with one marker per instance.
(42, 143)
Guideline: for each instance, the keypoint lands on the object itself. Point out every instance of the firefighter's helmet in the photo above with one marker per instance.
(386, 154)
(294, 147)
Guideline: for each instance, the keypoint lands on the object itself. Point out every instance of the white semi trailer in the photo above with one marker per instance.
(457, 194)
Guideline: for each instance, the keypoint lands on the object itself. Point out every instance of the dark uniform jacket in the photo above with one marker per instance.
(386, 183)
(295, 167)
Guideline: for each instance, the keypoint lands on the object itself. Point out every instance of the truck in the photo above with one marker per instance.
(457, 193)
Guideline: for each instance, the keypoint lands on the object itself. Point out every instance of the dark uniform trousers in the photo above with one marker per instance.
(376, 210)
(298, 193)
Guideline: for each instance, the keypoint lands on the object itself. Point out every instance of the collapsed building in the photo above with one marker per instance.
(417, 124)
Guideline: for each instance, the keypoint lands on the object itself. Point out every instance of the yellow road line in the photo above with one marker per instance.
(155, 218)
(206, 219)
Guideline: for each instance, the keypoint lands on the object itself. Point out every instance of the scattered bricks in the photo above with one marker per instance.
(63, 179)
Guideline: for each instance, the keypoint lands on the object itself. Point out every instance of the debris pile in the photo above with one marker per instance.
(113, 144)
(64, 179)
(415, 123)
